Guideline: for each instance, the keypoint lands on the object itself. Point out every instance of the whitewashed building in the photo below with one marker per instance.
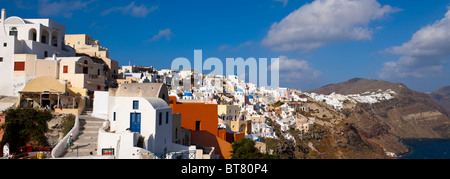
(31, 39)
(140, 112)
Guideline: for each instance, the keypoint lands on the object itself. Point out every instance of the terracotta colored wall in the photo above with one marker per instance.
(192, 112)
(239, 136)
(223, 134)
(222, 147)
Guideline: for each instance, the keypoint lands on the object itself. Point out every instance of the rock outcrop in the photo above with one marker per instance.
(410, 114)
(366, 130)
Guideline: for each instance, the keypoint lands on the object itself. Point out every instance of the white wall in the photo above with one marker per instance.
(156, 137)
(100, 108)
(122, 143)
(7, 66)
(9, 86)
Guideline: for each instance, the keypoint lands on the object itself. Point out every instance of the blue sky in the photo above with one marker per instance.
(318, 41)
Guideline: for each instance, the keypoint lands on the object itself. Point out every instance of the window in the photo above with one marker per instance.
(167, 117)
(160, 118)
(5, 44)
(98, 71)
(1, 59)
(114, 116)
(55, 41)
(43, 39)
(65, 69)
(13, 32)
(108, 151)
(19, 66)
(45, 54)
(176, 133)
(135, 104)
(85, 70)
(197, 125)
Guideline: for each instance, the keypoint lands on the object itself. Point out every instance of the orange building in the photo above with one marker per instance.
(196, 116)
(202, 120)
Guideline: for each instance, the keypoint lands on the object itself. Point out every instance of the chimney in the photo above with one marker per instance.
(54, 56)
(3, 15)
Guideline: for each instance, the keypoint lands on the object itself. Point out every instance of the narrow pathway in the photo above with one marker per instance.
(86, 142)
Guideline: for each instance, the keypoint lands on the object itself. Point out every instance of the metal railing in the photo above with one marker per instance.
(191, 154)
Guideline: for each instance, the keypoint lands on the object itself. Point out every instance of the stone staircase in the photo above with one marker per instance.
(86, 141)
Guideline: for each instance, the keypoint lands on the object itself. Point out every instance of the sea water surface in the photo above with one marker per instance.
(427, 148)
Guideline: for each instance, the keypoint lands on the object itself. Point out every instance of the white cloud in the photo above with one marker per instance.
(59, 8)
(411, 67)
(421, 56)
(324, 21)
(223, 47)
(294, 70)
(285, 2)
(132, 9)
(166, 33)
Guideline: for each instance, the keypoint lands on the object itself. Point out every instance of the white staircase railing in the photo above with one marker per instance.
(61, 147)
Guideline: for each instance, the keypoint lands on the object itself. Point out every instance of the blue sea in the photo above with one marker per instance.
(427, 148)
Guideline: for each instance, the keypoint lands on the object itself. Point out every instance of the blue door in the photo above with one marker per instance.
(135, 122)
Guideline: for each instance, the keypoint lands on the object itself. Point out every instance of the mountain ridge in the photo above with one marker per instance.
(410, 114)
(442, 96)
(359, 85)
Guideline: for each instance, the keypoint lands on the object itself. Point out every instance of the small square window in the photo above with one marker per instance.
(1, 59)
(5, 44)
(135, 104)
(19, 66)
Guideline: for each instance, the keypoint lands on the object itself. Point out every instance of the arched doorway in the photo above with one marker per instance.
(45, 35)
(32, 34)
(55, 41)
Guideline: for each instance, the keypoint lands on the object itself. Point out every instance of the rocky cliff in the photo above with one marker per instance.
(442, 96)
(373, 130)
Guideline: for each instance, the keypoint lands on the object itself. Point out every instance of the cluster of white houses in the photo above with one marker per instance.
(46, 68)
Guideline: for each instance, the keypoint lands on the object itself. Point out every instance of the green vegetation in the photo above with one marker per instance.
(271, 143)
(277, 104)
(69, 122)
(245, 149)
(24, 126)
